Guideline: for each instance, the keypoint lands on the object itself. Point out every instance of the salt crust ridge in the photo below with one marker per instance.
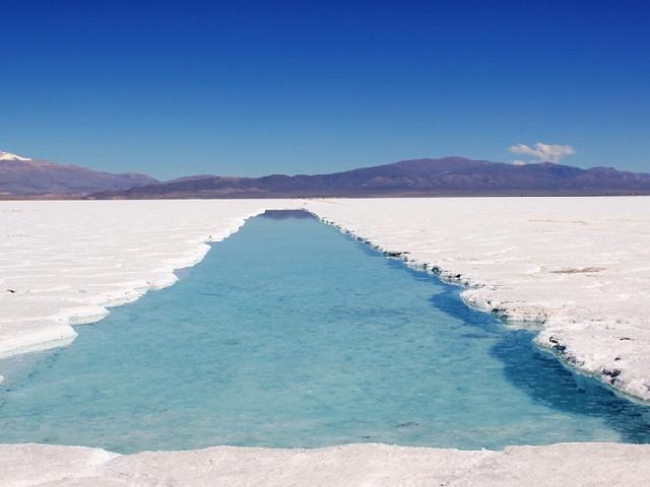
(525, 259)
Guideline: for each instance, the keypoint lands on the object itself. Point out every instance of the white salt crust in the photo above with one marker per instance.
(561, 465)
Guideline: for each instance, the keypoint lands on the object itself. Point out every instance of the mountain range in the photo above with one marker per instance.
(449, 176)
(21, 177)
(37, 178)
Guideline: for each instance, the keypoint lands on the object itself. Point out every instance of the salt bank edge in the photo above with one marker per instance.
(573, 268)
(137, 247)
(490, 246)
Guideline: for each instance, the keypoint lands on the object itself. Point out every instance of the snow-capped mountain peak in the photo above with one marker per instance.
(7, 156)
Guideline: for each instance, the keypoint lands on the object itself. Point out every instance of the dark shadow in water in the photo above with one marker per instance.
(543, 378)
(286, 214)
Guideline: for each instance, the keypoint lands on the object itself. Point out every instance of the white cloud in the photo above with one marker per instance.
(543, 152)
(518, 162)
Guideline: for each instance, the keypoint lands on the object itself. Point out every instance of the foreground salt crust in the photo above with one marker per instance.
(570, 464)
(579, 268)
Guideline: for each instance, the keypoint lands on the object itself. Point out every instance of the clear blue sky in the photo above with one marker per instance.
(174, 88)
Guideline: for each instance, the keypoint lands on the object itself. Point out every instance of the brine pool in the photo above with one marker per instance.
(291, 334)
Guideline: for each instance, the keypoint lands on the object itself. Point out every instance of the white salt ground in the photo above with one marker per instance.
(578, 267)
(562, 465)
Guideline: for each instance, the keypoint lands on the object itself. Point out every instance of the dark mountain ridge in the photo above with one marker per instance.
(449, 176)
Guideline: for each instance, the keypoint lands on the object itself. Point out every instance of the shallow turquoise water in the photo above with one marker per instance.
(290, 334)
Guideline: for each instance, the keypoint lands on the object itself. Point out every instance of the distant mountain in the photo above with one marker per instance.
(449, 176)
(23, 177)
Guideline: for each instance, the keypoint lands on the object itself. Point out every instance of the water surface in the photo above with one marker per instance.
(290, 334)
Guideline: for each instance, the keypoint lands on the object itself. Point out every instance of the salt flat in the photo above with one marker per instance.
(576, 267)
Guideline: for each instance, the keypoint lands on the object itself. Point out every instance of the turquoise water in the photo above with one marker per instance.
(290, 334)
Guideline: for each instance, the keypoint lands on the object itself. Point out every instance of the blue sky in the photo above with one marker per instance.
(173, 88)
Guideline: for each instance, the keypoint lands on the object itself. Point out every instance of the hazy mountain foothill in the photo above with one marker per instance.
(22, 178)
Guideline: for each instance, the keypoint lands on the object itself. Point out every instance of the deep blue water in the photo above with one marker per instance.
(291, 334)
